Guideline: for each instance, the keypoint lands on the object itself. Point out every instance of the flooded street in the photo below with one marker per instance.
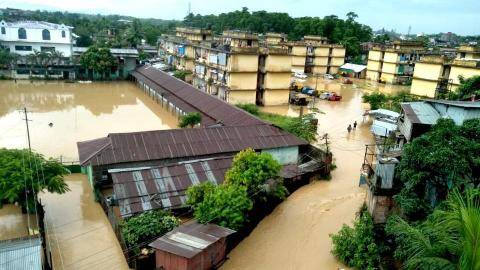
(78, 230)
(64, 113)
(296, 234)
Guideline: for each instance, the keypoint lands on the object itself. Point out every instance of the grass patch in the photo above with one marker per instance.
(300, 127)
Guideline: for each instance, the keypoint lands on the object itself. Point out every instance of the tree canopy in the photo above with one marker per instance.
(447, 239)
(138, 231)
(437, 162)
(190, 119)
(347, 32)
(23, 174)
(98, 59)
(468, 88)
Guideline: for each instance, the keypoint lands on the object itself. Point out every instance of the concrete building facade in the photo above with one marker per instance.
(314, 55)
(394, 64)
(436, 74)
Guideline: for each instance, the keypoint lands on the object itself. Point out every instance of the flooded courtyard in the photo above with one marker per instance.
(62, 114)
(296, 234)
(79, 233)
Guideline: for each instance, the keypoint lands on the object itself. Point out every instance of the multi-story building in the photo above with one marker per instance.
(25, 37)
(314, 55)
(274, 75)
(436, 74)
(394, 64)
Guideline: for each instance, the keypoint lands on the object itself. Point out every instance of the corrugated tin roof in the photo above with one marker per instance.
(464, 104)
(190, 99)
(38, 25)
(356, 68)
(21, 254)
(382, 128)
(190, 239)
(420, 113)
(179, 143)
(164, 187)
(114, 51)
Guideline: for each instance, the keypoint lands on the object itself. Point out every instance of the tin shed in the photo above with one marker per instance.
(191, 246)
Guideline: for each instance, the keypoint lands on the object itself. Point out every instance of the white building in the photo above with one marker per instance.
(24, 37)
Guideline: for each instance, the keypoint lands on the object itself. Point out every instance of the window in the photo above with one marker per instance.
(3, 31)
(47, 49)
(63, 33)
(45, 34)
(23, 48)
(22, 33)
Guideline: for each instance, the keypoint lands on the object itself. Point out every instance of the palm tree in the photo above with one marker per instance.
(449, 239)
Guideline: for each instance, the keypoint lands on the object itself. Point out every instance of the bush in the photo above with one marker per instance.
(190, 119)
(226, 205)
(139, 231)
(196, 194)
(180, 74)
(356, 246)
(298, 126)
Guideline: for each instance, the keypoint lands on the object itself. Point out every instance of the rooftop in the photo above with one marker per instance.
(463, 104)
(182, 143)
(163, 187)
(354, 67)
(36, 24)
(420, 113)
(190, 99)
(190, 239)
(114, 51)
(21, 253)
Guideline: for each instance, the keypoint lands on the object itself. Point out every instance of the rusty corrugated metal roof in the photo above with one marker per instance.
(164, 187)
(181, 143)
(190, 99)
(190, 239)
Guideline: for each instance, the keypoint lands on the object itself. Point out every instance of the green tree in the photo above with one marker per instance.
(448, 239)
(135, 33)
(139, 231)
(7, 59)
(226, 206)
(467, 89)
(355, 246)
(23, 174)
(181, 74)
(445, 158)
(258, 172)
(98, 59)
(196, 193)
(375, 99)
(190, 119)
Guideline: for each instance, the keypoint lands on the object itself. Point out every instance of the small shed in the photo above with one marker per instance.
(191, 246)
(416, 118)
(353, 70)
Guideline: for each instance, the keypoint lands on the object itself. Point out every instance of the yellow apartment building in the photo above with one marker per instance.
(274, 75)
(438, 74)
(194, 34)
(314, 55)
(275, 38)
(394, 64)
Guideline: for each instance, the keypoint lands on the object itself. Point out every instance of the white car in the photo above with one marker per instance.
(300, 75)
(328, 77)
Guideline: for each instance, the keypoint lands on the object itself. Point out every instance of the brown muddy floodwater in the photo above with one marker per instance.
(79, 232)
(76, 111)
(296, 234)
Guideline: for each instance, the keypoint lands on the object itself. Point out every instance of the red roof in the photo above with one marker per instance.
(182, 143)
(190, 99)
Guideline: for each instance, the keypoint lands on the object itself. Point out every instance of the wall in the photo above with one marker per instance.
(298, 62)
(319, 70)
(372, 75)
(322, 51)
(336, 61)
(338, 52)
(466, 72)
(276, 97)
(242, 96)
(423, 88)
(390, 57)
(243, 62)
(389, 68)
(65, 49)
(242, 80)
(320, 61)
(427, 71)
(374, 55)
(278, 63)
(277, 80)
(373, 65)
(387, 78)
(299, 50)
(284, 155)
(457, 114)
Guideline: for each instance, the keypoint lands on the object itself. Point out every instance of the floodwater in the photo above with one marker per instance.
(14, 224)
(79, 233)
(296, 234)
(62, 114)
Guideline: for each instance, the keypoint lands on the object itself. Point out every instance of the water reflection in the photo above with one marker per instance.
(64, 113)
(14, 224)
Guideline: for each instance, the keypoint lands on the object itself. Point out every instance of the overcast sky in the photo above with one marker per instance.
(427, 16)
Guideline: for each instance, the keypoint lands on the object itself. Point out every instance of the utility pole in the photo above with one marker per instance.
(326, 142)
(28, 130)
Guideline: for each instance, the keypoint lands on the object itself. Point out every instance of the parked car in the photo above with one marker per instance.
(300, 75)
(331, 96)
(328, 77)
